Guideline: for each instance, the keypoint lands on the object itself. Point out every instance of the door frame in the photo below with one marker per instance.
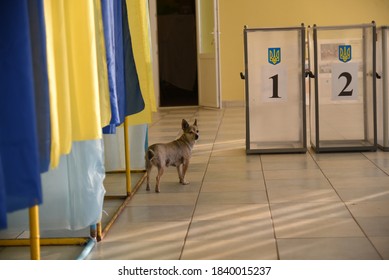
(154, 49)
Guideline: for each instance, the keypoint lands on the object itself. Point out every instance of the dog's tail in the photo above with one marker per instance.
(150, 154)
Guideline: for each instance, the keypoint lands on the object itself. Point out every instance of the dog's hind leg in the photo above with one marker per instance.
(148, 172)
(160, 173)
(149, 156)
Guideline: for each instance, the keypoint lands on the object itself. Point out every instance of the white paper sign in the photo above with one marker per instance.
(274, 83)
(344, 81)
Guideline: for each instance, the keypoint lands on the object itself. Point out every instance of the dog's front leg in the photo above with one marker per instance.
(183, 172)
(179, 171)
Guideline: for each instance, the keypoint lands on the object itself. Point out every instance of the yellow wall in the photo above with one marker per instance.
(266, 13)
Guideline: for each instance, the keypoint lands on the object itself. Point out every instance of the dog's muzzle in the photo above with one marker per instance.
(197, 136)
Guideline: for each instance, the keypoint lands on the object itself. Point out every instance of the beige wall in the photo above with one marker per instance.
(235, 14)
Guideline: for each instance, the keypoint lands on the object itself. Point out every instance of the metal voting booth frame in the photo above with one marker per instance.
(343, 91)
(275, 90)
(383, 88)
(97, 231)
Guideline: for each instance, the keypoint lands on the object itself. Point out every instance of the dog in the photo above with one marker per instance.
(176, 153)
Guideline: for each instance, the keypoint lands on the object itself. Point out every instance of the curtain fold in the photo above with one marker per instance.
(3, 201)
(78, 77)
(68, 68)
(114, 67)
(19, 153)
(41, 86)
(58, 69)
(73, 193)
(83, 70)
(125, 90)
(138, 21)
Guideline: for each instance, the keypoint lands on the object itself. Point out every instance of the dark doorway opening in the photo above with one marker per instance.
(177, 52)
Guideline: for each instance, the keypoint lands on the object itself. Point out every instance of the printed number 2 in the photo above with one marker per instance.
(345, 92)
(275, 86)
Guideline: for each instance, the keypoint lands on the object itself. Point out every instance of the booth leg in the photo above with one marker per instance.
(127, 155)
(34, 233)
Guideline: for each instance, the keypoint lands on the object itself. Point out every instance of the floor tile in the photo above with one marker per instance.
(303, 164)
(233, 186)
(304, 183)
(152, 199)
(238, 206)
(230, 250)
(318, 227)
(157, 213)
(364, 194)
(232, 197)
(231, 167)
(356, 248)
(243, 175)
(236, 229)
(382, 245)
(355, 173)
(150, 231)
(369, 209)
(364, 182)
(137, 250)
(301, 194)
(309, 210)
(46, 253)
(374, 226)
(346, 164)
(293, 174)
(231, 211)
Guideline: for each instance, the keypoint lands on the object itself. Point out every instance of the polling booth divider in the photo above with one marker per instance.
(383, 88)
(342, 88)
(275, 90)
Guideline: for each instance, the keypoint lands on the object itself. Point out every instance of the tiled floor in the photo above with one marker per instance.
(285, 206)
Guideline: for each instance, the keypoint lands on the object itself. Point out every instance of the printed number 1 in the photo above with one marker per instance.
(275, 86)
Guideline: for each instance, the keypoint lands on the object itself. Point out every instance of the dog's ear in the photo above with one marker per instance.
(184, 124)
(195, 122)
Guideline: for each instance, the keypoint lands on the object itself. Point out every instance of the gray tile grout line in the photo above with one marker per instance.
(345, 205)
(270, 210)
(202, 182)
(375, 164)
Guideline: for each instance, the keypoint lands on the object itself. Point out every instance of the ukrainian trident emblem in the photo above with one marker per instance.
(345, 53)
(274, 55)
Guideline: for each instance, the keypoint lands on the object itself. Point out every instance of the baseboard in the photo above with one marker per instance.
(233, 103)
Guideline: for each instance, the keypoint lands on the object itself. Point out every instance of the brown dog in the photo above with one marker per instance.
(176, 153)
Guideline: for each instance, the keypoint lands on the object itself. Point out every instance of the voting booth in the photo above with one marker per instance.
(342, 88)
(383, 88)
(275, 90)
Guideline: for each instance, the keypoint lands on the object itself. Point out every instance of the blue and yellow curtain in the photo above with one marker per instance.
(70, 71)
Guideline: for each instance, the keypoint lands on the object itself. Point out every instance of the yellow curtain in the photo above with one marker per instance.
(78, 79)
(105, 105)
(58, 72)
(138, 19)
(83, 66)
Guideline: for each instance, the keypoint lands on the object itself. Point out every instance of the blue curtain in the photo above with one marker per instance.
(126, 97)
(113, 46)
(24, 93)
(41, 84)
(3, 208)
(134, 100)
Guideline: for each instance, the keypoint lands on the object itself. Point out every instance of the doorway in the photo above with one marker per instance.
(177, 53)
